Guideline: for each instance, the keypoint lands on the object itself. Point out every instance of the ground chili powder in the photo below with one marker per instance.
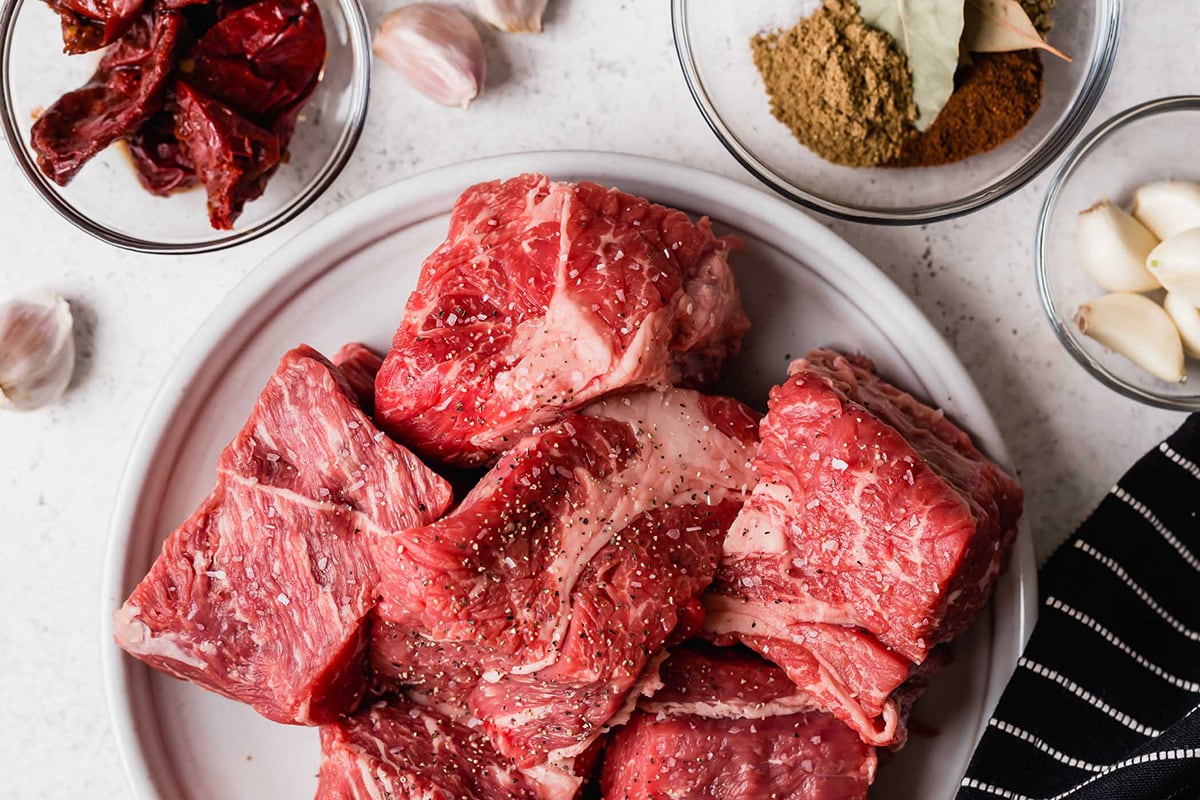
(994, 98)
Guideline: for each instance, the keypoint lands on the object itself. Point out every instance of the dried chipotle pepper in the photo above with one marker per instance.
(91, 24)
(162, 165)
(127, 88)
(232, 156)
(261, 59)
(259, 64)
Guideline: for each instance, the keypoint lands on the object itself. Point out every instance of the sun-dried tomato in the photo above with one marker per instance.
(126, 89)
(260, 60)
(92, 24)
(233, 157)
(162, 165)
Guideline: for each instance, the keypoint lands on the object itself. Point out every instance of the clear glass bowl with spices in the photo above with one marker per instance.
(1149, 143)
(819, 102)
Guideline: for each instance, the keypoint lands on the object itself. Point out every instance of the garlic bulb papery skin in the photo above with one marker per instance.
(1187, 320)
(37, 351)
(1176, 265)
(1112, 248)
(1168, 207)
(437, 49)
(514, 16)
(1139, 329)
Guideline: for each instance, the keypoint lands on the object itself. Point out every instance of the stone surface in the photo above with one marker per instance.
(604, 77)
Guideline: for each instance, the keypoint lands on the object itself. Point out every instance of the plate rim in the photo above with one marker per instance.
(315, 250)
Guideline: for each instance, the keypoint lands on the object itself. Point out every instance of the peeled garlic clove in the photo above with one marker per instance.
(1176, 265)
(37, 351)
(1112, 248)
(1168, 207)
(436, 48)
(514, 16)
(1139, 329)
(1187, 321)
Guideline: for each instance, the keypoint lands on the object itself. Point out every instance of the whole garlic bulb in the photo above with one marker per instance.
(514, 16)
(37, 351)
(436, 48)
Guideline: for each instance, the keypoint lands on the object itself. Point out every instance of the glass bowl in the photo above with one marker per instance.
(1150, 141)
(712, 40)
(105, 198)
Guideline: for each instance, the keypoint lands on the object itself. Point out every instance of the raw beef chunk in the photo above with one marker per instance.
(875, 532)
(543, 297)
(262, 594)
(401, 751)
(907, 695)
(538, 604)
(359, 365)
(846, 671)
(729, 726)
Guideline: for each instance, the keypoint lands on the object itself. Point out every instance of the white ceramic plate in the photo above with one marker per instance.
(347, 278)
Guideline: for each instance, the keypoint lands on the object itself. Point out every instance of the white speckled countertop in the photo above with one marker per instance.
(604, 78)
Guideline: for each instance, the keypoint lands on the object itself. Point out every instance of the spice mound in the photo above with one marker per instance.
(995, 98)
(862, 83)
(841, 87)
(199, 93)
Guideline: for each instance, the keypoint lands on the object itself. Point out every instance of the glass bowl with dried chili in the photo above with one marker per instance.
(819, 101)
(182, 126)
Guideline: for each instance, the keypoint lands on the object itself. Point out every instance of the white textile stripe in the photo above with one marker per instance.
(971, 783)
(1115, 641)
(1145, 597)
(1086, 696)
(1170, 453)
(1156, 523)
(1179, 754)
(1044, 746)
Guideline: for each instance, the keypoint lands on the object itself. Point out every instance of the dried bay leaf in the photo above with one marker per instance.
(1000, 26)
(928, 31)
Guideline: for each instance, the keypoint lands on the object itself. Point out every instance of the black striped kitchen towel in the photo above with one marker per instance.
(1105, 701)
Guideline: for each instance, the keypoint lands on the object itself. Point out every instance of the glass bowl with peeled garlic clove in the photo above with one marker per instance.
(1117, 254)
(903, 143)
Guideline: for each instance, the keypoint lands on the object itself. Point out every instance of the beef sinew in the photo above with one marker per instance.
(728, 725)
(262, 594)
(544, 297)
(538, 605)
(876, 531)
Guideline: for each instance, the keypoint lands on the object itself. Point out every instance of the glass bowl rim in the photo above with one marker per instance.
(360, 83)
(1079, 154)
(1060, 137)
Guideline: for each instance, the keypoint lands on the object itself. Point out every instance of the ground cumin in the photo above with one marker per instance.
(994, 98)
(841, 87)
(1039, 13)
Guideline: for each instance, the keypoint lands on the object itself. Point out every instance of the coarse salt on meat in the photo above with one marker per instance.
(875, 532)
(519, 318)
(274, 633)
